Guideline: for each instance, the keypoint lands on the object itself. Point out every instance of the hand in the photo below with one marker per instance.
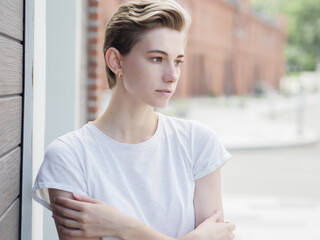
(84, 217)
(212, 229)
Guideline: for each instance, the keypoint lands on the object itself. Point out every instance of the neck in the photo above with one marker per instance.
(127, 122)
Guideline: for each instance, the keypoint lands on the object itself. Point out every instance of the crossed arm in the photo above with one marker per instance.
(80, 217)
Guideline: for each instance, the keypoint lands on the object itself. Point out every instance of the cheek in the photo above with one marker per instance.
(139, 75)
(132, 68)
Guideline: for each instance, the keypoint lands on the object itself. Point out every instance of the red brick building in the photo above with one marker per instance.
(230, 49)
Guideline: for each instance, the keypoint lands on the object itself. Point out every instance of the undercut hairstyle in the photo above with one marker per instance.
(131, 20)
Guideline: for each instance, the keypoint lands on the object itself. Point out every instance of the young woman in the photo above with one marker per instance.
(133, 173)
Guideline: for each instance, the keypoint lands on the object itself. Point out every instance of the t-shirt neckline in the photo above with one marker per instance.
(152, 140)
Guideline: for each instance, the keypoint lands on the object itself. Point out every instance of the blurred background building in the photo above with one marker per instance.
(231, 50)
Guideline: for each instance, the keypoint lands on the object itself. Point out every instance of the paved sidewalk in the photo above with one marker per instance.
(271, 218)
(250, 123)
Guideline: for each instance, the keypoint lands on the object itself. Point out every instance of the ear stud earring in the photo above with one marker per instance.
(119, 75)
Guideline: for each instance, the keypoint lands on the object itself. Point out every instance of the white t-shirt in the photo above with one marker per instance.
(152, 181)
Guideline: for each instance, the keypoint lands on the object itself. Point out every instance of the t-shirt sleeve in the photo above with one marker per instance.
(61, 169)
(208, 152)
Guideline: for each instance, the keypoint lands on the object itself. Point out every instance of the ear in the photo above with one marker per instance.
(113, 59)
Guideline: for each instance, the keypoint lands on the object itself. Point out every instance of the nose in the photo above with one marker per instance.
(171, 73)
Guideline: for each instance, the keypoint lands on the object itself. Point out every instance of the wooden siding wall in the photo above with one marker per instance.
(11, 89)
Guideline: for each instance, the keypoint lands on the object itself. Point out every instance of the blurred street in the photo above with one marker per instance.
(274, 194)
(271, 186)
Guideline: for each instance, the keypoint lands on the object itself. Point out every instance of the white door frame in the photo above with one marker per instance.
(26, 183)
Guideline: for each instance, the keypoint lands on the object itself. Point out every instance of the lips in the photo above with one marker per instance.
(165, 91)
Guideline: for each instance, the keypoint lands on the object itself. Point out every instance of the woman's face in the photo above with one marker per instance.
(152, 68)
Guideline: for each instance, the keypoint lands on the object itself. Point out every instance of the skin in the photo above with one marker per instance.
(150, 69)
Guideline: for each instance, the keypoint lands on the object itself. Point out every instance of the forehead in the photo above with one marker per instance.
(164, 39)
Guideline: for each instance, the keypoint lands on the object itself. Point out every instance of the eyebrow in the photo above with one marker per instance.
(164, 53)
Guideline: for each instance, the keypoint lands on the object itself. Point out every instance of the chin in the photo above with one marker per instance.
(159, 104)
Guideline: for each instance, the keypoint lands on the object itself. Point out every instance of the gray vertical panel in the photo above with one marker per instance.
(60, 71)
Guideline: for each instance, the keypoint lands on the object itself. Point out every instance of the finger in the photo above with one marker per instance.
(231, 226)
(69, 203)
(76, 233)
(231, 236)
(69, 223)
(65, 212)
(83, 198)
(216, 217)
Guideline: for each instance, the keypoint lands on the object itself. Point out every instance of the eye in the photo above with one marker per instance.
(178, 63)
(157, 59)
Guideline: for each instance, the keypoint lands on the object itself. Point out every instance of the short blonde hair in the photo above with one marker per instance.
(128, 24)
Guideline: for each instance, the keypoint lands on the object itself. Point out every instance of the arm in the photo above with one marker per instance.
(95, 219)
(54, 193)
(207, 201)
(83, 217)
(207, 197)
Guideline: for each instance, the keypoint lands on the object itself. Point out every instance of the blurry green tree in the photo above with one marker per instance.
(303, 19)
